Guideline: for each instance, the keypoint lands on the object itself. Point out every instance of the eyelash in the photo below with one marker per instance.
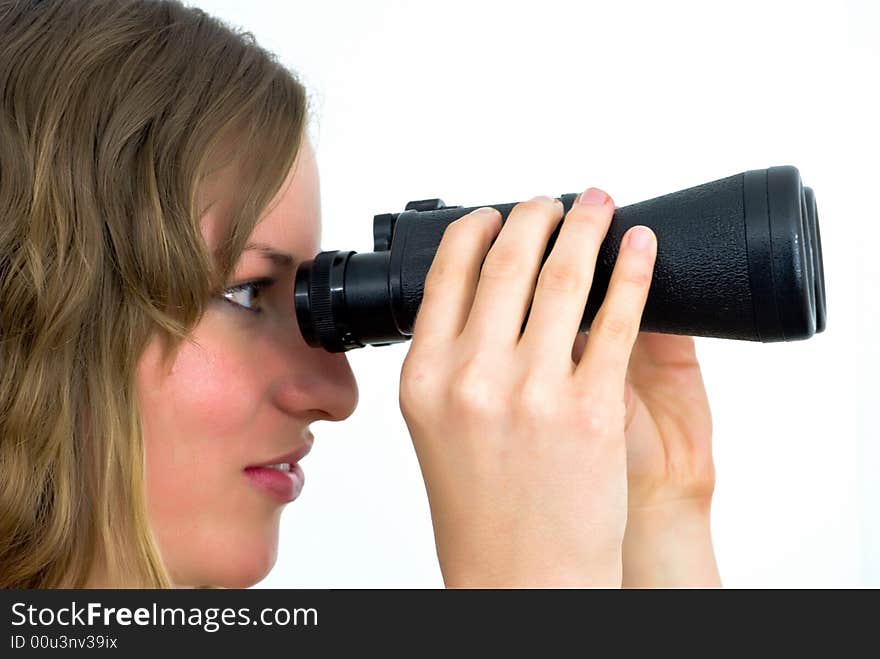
(258, 285)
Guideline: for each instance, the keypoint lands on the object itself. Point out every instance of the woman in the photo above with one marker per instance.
(157, 188)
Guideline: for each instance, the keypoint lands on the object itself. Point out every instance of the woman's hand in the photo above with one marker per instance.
(669, 461)
(522, 451)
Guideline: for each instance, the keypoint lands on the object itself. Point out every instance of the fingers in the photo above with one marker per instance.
(507, 278)
(616, 325)
(565, 280)
(452, 278)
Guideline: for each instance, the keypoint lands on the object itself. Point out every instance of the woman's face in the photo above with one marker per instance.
(243, 395)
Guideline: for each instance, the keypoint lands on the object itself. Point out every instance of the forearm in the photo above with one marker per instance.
(670, 547)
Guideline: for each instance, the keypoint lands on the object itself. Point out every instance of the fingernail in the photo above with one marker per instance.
(485, 210)
(640, 238)
(541, 197)
(593, 197)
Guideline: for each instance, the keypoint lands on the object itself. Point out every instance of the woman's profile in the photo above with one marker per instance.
(157, 190)
(124, 127)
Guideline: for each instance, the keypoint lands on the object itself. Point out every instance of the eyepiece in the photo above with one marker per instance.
(319, 301)
(343, 301)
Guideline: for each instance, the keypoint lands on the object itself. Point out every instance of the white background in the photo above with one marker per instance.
(491, 102)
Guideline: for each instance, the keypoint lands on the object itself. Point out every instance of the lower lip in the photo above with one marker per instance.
(285, 486)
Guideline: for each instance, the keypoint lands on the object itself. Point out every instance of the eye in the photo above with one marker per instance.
(243, 296)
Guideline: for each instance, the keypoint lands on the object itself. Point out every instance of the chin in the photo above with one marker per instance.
(232, 560)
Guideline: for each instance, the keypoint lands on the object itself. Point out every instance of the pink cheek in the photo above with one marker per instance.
(198, 421)
(199, 430)
(211, 395)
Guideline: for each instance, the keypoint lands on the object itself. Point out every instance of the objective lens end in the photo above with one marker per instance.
(783, 292)
(819, 268)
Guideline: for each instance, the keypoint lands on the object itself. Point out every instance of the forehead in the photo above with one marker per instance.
(292, 221)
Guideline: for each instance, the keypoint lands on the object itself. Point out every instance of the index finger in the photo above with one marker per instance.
(616, 325)
(451, 282)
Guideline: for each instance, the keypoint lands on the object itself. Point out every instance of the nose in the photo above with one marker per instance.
(320, 384)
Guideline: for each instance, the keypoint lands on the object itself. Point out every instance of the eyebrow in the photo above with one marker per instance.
(281, 259)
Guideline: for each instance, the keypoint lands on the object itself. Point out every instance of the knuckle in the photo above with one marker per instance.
(593, 416)
(534, 398)
(614, 325)
(591, 421)
(560, 276)
(417, 384)
(474, 394)
(637, 275)
(502, 262)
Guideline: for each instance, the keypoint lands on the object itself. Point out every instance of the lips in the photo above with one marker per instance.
(280, 477)
(284, 486)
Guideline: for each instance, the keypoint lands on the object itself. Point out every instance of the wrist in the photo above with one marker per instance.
(597, 572)
(669, 545)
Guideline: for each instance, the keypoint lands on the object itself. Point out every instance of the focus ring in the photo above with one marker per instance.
(320, 300)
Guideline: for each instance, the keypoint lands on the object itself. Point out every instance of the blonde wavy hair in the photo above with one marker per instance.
(112, 112)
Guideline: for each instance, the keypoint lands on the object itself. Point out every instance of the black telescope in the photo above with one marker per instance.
(737, 258)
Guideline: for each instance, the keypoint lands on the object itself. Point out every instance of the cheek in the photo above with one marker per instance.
(198, 421)
(210, 391)
(195, 416)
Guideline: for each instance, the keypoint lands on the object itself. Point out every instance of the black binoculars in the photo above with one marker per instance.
(737, 258)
